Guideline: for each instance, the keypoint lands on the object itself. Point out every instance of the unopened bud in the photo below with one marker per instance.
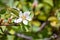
(35, 3)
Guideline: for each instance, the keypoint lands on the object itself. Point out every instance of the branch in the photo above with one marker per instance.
(19, 35)
(23, 36)
(54, 36)
(14, 24)
(42, 26)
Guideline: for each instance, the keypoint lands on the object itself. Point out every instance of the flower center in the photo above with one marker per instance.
(23, 17)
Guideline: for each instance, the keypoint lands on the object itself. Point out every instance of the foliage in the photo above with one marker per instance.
(29, 19)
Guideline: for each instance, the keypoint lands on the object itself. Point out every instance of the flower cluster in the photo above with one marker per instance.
(23, 17)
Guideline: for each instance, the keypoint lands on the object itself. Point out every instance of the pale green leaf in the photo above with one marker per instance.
(3, 28)
(10, 37)
(50, 2)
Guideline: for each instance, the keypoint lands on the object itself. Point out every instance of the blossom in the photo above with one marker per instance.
(35, 3)
(23, 17)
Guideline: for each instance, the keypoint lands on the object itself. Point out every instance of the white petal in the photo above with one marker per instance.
(25, 22)
(15, 21)
(20, 13)
(27, 13)
(28, 18)
(19, 20)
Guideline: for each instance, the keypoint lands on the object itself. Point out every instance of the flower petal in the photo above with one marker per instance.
(25, 22)
(20, 13)
(28, 18)
(27, 13)
(15, 21)
(18, 20)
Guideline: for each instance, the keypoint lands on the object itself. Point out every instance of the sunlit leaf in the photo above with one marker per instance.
(1, 32)
(10, 3)
(10, 37)
(50, 2)
(42, 17)
(35, 29)
(12, 31)
(40, 6)
(47, 8)
(36, 23)
(3, 28)
(52, 19)
(53, 23)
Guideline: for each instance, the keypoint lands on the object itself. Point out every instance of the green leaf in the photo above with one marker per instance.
(3, 11)
(15, 28)
(1, 32)
(2, 4)
(12, 31)
(16, 3)
(2, 16)
(10, 37)
(57, 3)
(10, 3)
(35, 29)
(40, 6)
(47, 9)
(15, 12)
(3, 28)
(36, 23)
(50, 2)
(44, 32)
(52, 18)
(25, 8)
(58, 15)
(42, 17)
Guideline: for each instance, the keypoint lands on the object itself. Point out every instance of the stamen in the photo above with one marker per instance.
(23, 17)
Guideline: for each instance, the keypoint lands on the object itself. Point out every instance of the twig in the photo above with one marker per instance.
(14, 24)
(54, 36)
(42, 26)
(23, 36)
(19, 35)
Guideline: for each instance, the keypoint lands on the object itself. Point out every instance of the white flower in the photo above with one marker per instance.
(23, 17)
(18, 20)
